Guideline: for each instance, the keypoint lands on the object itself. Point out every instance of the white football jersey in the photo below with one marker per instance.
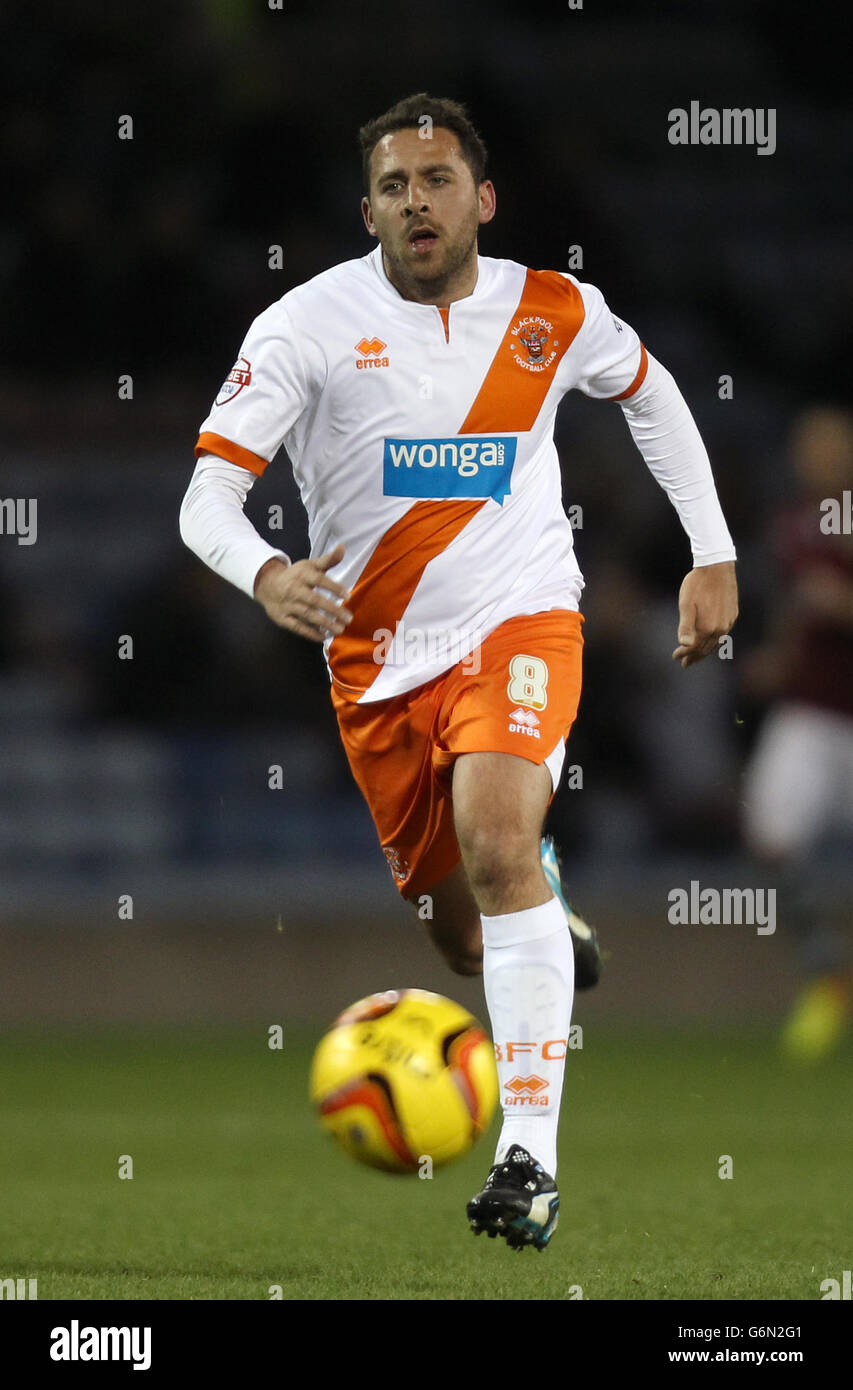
(422, 439)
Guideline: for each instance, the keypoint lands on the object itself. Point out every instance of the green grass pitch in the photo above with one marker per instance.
(235, 1189)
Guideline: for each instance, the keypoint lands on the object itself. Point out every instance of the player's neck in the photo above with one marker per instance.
(441, 292)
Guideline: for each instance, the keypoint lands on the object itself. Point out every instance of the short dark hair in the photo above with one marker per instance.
(406, 115)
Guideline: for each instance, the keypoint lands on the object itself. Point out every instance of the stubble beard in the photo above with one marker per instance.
(405, 276)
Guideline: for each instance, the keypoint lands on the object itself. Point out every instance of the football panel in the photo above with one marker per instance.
(433, 1115)
(362, 1116)
(471, 1062)
(373, 1006)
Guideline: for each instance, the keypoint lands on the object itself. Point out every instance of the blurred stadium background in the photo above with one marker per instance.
(150, 257)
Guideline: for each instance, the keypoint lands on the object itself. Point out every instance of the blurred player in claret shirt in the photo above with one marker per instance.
(799, 783)
(415, 390)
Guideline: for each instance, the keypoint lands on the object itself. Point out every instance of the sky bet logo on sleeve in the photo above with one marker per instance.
(467, 466)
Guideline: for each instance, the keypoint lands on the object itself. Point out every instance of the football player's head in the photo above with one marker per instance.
(426, 193)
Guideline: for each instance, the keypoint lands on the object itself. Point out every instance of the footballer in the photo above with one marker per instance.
(415, 391)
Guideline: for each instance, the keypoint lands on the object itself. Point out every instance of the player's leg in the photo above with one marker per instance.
(404, 755)
(454, 926)
(454, 923)
(499, 806)
(501, 739)
(500, 801)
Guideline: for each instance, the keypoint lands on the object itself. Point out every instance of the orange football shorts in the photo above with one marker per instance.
(518, 693)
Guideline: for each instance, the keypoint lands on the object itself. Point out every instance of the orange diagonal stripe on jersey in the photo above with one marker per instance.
(227, 449)
(382, 592)
(511, 395)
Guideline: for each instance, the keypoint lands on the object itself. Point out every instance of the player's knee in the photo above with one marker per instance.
(493, 861)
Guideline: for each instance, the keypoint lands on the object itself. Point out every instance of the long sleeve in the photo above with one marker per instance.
(214, 525)
(666, 435)
(612, 365)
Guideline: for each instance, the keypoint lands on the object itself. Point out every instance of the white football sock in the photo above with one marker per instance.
(529, 979)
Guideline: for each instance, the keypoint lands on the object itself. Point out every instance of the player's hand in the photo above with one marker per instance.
(297, 597)
(707, 609)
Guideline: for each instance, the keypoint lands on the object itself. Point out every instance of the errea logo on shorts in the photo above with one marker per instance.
(465, 466)
(524, 721)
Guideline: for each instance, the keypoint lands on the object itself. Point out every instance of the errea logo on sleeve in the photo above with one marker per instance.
(466, 466)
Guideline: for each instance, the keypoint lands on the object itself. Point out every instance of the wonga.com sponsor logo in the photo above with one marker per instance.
(439, 468)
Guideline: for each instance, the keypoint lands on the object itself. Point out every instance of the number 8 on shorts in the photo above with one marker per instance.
(528, 681)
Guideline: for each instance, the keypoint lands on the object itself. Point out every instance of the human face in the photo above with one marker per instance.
(426, 209)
